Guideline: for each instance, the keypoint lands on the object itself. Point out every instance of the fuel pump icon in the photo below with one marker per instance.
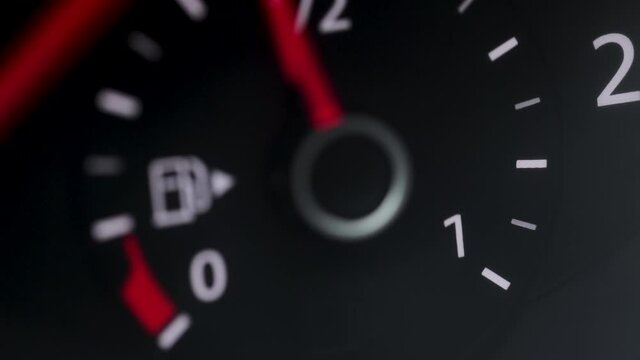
(183, 188)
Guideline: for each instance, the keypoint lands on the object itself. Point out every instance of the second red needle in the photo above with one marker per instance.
(53, 42)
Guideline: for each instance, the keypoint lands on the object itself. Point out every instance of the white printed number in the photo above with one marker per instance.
(334, 21)
(608, 97)
(456, 220)
(208, 288)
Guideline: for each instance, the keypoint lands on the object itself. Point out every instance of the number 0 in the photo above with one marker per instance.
(608, 97)
(208, 260)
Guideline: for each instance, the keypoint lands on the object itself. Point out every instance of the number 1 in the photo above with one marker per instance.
(457, 221)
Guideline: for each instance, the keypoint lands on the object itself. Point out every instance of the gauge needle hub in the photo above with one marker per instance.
(303, 68)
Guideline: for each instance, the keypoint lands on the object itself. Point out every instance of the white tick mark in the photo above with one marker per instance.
(524, 224)
(531, 164)
(145, 46)
(174, 332)
(103, 166)
(119, 104)
(503, 49)
(464, 6)
(113, 227)
(528, 103)
(496, 279)
(197, 10)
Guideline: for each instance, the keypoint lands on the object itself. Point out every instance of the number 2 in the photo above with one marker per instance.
(334, 21)
(608, 97)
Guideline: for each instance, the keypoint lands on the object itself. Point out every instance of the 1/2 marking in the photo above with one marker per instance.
(334, 21)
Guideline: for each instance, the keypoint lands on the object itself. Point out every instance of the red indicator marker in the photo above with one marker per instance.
(142, 293)
(302, 66)
(53, 42)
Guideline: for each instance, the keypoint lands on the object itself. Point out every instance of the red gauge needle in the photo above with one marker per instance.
(142, 293)
(52, 43)
(302, 66)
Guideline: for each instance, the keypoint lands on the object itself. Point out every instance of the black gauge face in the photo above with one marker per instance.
(328, 179)
(213, 186)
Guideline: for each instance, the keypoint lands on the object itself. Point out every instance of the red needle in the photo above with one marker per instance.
(49, 47)
(142, 293)
(302, 66)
